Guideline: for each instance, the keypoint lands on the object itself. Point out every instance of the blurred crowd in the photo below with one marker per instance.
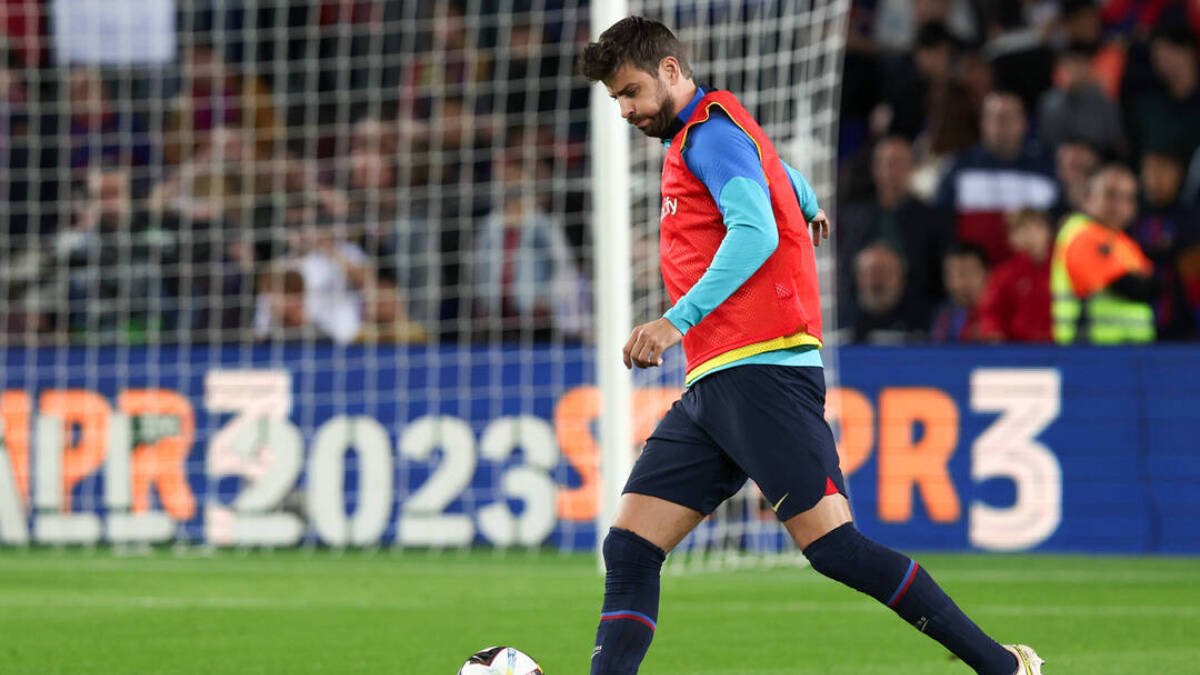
(346, 171)
(979, 136)
(367, 170)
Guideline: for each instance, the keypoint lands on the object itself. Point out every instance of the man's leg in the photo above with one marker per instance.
(835, 548)
(680, 476)
(645, 529)
(780, 438)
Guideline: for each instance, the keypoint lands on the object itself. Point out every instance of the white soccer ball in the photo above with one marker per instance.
(500, 661)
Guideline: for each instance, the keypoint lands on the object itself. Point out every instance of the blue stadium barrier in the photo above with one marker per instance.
(973, 448)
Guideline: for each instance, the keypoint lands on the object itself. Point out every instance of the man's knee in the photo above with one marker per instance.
(623, 548)
(662, 523)
(832, 512)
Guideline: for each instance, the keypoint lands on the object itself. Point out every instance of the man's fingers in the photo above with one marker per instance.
(820, 229)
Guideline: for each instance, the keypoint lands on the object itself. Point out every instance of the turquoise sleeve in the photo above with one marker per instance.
(750, 239)
(804, 192)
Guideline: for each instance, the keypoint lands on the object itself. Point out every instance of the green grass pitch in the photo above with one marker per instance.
(293, 612)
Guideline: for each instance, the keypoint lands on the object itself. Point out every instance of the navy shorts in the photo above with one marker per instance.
(758, 421)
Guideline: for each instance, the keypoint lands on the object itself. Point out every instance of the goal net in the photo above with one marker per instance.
(319, 272)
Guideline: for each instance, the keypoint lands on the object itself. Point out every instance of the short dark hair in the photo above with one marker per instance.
(638, 41)
(1174, 33)
(966, 249)
(934, 34)
(1109, 167)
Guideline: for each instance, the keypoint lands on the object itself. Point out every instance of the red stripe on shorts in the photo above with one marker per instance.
(830, 488)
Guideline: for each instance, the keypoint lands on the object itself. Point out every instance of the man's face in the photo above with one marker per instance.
(1161, 178)
(1031, 236)
(966, 279)
(1171, 61)
(644, 99)
(891, 166)
(1003, 125)
(203, 67)
(934, 62)
(1112, 199)
(110, 192)
(1074, 161)
(879, 276)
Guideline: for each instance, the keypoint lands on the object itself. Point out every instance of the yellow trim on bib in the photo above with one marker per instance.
(726, 358)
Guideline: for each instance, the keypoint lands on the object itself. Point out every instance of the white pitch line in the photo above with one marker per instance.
(229, 602)
(867, 607)
(398, 565)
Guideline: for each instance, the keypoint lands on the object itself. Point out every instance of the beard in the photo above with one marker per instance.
(661, 121)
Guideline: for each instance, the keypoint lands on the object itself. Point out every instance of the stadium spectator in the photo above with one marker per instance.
(281, 312)
(1101, 282)
(1003, 173)
(327, 288)
(1074, 162)
(1163, 113)
(530, 70)
(1164, 228)
(448, 61)
(965, 270)
(524, 281)
(216, 96)
(1077, 108)
(395, 229)
(1189, 280)
(1021, 61)
(926, 101)
(114, 258)
(210, 181)
(897, 22)
(879, 293)
(1139, 17)
(862, 83)
(229, 174)
(14, 145)
(924, 97)
(1080, 24)
(1016, 304)
(918, 232)
(102, 134)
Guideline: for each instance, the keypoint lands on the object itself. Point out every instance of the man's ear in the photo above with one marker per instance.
(670, 68)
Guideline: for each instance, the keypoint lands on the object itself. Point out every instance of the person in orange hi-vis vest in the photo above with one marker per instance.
(1101, 282)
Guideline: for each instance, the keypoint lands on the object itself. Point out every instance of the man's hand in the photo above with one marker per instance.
(820, 227)
(648, 342)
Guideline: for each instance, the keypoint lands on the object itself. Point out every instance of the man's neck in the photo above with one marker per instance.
(679, 104)
(1183, 87)
(890, 200)
(687, 91)
(1006, 154)
(1102, 223)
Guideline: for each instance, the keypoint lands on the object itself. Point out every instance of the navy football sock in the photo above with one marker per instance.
(847, 556)
(630, 610)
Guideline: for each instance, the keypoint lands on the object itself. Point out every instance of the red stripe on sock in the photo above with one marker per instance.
(640, 619)
(907, 582)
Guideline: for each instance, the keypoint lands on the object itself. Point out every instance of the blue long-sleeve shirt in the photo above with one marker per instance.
(726, 160)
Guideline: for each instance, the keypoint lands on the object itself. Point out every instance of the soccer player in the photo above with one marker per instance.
(739, 265)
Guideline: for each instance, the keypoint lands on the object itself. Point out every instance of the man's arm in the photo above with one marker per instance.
(804, 192)
(726, 160)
